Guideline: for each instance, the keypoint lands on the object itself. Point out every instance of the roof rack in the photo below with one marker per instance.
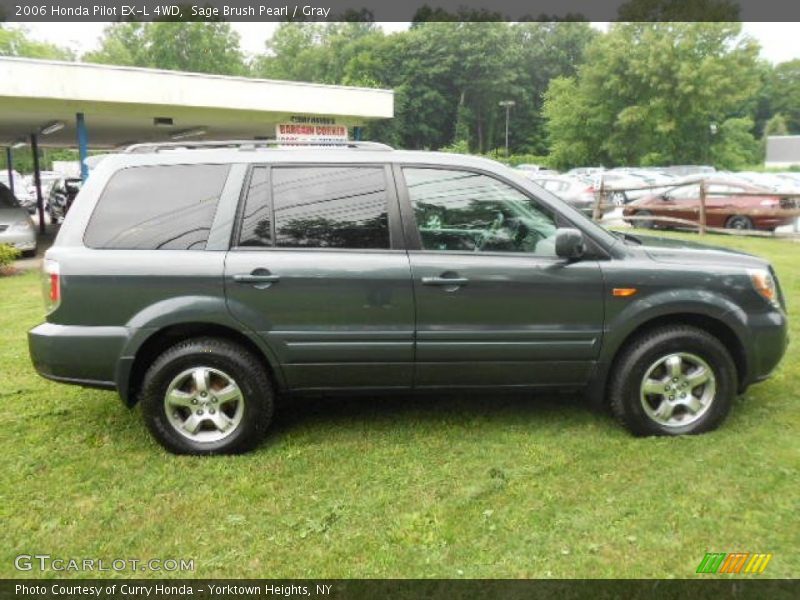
(248, 145)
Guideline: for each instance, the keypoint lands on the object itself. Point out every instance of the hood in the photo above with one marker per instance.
(669, 250)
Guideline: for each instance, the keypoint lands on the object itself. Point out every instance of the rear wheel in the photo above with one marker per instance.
(207, 396)
(673, 381)
(739, 222)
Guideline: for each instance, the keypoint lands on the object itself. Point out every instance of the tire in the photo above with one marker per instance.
(234, 412)
(643, 223)
(650, 358)
(739, 222)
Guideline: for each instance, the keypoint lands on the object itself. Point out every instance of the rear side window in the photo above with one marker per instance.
(318, 207)
(168, 207)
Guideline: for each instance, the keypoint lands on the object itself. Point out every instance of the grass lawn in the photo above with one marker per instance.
(401, 487)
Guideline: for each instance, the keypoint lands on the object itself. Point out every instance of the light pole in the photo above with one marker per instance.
(507, 104)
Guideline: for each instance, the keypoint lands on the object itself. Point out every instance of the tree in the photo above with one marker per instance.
(785, 93)
(651, 93)
(15, 42)
(200, 47)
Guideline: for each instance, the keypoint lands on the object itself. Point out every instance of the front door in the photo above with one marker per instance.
(314, 271)
(495, 306)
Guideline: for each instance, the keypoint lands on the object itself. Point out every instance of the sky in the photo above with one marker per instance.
(779, 41)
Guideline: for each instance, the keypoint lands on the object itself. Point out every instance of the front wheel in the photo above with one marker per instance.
(673, 381)
(207, 396)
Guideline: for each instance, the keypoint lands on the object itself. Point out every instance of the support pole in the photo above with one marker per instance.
(37, 178)
(83, 144)
(702, 207)
(10, 166)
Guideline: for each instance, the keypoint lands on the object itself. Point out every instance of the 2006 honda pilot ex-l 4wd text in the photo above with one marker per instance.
(202, 281)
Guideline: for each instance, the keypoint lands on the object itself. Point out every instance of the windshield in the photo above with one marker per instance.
(7, 199)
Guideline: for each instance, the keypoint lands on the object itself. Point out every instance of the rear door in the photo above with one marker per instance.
(317, 268)
(495, 305)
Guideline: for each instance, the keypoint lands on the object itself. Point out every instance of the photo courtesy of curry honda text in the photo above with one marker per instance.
(202, 280)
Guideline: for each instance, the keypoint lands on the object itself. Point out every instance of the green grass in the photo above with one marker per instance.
(400, 486)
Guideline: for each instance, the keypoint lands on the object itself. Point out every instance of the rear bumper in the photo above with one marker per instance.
(86, 356)
(24, 240)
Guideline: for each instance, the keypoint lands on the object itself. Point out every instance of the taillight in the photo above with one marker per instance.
(51, 285)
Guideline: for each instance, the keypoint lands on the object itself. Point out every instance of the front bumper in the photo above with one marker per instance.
(766, 344)
(85, 356)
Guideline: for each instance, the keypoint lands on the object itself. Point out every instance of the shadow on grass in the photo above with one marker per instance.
(406, 410)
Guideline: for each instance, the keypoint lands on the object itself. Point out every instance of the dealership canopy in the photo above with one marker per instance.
(70, 104)
(122, 105)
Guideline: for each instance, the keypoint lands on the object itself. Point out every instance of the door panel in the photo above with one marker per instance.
(333, 319)
(494, 305)
(519, 320)
(316, 275)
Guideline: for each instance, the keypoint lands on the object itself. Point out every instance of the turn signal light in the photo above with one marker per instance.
(623, 292)
(764, 284)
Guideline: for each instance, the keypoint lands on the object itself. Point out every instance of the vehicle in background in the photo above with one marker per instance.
(685, 170)
(620, 185)
(769, 181)
(20, 189)
(572, 190)
(16, 227)
(61, 197)
(735, 212)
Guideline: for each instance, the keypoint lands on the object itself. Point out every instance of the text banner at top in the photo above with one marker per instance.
(409, 10)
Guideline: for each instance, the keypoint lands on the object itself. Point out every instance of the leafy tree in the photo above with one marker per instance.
(15, 42)
(651, 93)
(785, 93)
(201, 47)
(776, 126)
(736, 148)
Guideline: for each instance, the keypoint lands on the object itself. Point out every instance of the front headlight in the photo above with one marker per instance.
(764, 283)
(21, 226)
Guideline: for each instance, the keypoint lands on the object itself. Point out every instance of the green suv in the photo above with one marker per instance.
(200, 280)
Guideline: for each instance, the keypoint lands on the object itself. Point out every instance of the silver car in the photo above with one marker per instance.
(16, 227)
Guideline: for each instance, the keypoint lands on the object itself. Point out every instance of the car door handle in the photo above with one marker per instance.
(447, 281)
(244, 278)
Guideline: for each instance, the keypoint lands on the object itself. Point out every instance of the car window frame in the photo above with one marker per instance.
(413, 239)
(396, 238)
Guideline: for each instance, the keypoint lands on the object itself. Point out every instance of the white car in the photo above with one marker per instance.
(16, 227)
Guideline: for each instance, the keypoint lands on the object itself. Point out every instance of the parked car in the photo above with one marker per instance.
(573, 191)
(725, 208)
(16, 227)
(62, 194)
(201, 282)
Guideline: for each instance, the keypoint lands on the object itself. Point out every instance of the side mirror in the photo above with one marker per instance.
(569, 243)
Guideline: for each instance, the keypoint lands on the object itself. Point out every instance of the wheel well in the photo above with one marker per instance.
(169, 336)
(709, 324)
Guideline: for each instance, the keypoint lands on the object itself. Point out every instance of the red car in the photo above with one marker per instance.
(723, 210)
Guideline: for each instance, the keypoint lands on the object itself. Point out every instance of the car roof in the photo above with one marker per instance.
(295, 155)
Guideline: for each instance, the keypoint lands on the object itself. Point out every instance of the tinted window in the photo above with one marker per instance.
(460, 210)
(257, 217)
(157, 208)
(330, 207)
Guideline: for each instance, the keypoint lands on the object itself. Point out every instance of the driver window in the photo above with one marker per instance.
(461, 210)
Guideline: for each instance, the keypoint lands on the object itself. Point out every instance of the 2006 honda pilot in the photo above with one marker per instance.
(201, 280)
